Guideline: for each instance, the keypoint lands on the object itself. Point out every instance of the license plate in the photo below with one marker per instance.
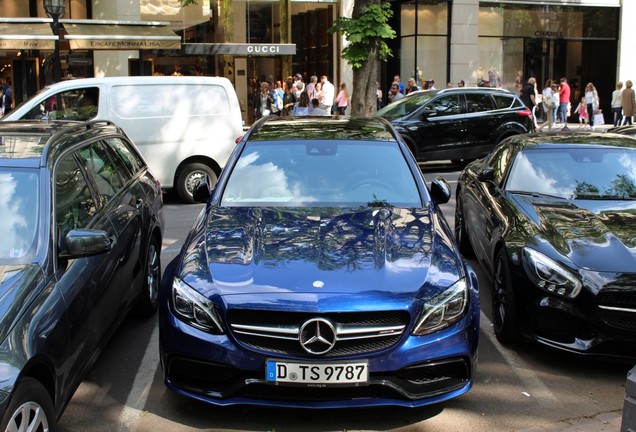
(317, 374)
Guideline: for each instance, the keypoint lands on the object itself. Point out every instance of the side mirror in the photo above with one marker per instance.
(486, 174)
(86, 242)
(202, 192)
(440, 190)
(428, 113)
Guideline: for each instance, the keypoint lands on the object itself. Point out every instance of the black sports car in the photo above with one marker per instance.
(553, 219)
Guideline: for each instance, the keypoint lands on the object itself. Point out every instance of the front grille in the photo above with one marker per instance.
(414, 382)
(617, 307)
(356, 333)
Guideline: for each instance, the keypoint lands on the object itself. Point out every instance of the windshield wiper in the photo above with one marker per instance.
(604, 197)
(536, 194)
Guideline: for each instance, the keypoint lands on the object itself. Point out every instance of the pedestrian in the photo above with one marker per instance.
(7, 96)
(548, 104)
(263, 101)
(329, 94)
(302, 107)
(378, 93)
(411, 86)
(396, 79)
(315, 109)
(311, 87)
(617, 104)
(342, 99)
(628, 102)
(591, 102)
(564, 102)
(279, 94)
(461, 83)
(529, 98)
(581, 110)
(289, 99)
(431, 85)
(394, 93)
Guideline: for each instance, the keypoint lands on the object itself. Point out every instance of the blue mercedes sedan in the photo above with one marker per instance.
(320, 274)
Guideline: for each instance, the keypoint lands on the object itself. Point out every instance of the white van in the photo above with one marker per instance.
(185, 127)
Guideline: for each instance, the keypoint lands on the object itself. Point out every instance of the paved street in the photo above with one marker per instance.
(526, 388)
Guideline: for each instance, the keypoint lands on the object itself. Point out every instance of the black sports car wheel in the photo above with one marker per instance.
(503, 302)
(148, 298)
(460, 231)
(30, 408)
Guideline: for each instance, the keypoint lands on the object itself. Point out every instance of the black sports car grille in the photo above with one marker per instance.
(617, 307)
(354, 333)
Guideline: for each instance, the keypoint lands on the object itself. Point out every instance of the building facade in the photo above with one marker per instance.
(496, 42)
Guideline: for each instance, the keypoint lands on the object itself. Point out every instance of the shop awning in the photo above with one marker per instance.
(98, 35)
(26, 36)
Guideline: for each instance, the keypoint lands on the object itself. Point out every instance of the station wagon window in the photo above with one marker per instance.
(105, 170)
(19, 204)
(445, 105)
(74, 203)
(133, 163)
(478, 102)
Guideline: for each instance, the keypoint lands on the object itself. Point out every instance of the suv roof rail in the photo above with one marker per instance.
(70, 127)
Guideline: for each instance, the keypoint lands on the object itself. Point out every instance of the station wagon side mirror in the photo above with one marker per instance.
(428, 113)
(86, 242)
(440, 190)
(202, 192)
(486, 174)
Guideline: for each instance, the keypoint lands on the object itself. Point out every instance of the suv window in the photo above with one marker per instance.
(478, 102)
(106, 171)
(446, 105)
(74, 203)
(504, 101)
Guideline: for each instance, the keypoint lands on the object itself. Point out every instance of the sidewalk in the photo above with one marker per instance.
(605, 422)
(575, 127)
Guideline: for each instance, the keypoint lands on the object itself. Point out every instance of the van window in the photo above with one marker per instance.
(144, 101)
(75, 104)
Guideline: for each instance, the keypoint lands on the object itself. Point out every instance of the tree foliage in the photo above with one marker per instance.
(366, 33)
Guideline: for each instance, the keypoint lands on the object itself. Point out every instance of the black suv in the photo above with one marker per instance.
(457, 124)
(80, 242)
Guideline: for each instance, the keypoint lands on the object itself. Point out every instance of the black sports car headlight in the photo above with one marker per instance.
(195, 309)
(443, 310)
(549, 275)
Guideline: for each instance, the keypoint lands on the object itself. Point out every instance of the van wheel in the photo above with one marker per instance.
(189, 178)
(30, 408)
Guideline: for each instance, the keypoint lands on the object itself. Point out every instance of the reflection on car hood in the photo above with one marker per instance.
(17, 286)
(282, 250)
(597, 235)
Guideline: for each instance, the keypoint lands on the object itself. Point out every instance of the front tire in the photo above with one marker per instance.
(189, 178)
(149, 296)
(505, 320)
(30, 408)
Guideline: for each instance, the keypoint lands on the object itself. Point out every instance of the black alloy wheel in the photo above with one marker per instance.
(463, 242)
(503, 302)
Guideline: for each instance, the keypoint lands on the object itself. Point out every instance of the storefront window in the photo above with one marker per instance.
(424, 41)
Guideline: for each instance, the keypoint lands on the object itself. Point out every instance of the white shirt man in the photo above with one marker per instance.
(329, 93)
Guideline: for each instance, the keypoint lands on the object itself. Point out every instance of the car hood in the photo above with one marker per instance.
(17, 288)
(596, 235)
(283, 251)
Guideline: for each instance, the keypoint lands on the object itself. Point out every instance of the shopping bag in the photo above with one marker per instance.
(599, 119)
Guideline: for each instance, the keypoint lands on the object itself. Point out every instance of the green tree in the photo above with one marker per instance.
(366, 31)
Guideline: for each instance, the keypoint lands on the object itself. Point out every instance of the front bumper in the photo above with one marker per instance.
(415, 372)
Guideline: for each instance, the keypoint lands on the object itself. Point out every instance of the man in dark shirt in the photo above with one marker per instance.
(7, 96)
(528, 97)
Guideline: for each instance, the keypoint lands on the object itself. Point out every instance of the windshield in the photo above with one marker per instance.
(19, 208)
(406, 105)
(576, 173)
(321, 174)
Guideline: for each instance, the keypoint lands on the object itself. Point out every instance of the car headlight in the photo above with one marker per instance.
(549, 275)
(195, 309)
(443, 310)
